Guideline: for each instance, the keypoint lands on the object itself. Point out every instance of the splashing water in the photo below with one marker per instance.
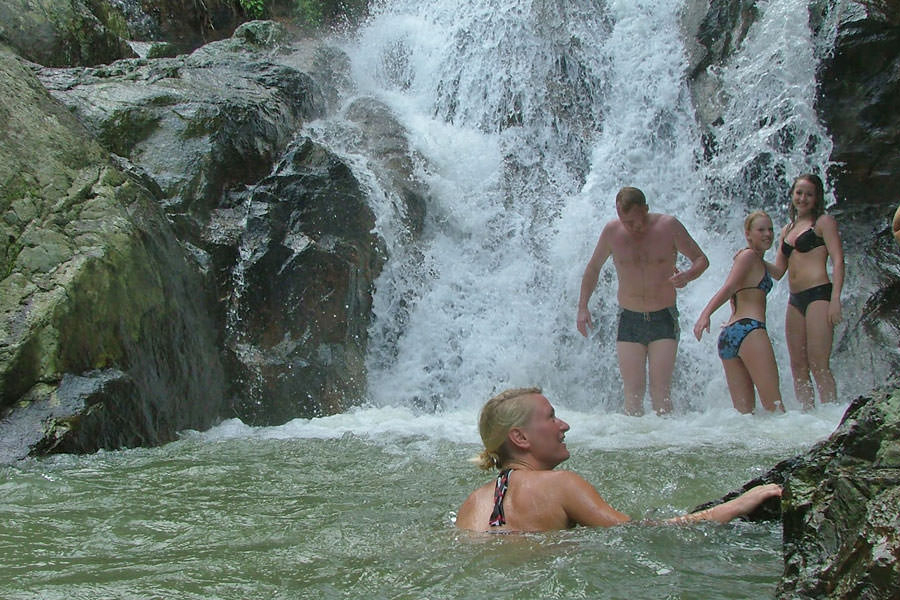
(525, 118)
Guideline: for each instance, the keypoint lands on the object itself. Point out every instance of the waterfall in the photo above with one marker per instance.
(525, 118)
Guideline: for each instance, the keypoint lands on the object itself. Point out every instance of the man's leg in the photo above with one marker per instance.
(661, 355)
(633, 367)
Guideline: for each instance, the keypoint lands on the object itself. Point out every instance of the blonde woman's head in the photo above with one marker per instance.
(512, 408)
(748, 222)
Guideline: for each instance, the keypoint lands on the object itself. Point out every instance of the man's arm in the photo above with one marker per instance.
(590, 278)
(686, 245)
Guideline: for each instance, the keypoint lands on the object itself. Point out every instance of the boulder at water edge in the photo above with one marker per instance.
(841, 508)
(94, 286)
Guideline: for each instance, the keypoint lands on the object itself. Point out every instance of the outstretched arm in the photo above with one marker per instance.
(737, 507)
(589, 280)
(584, 505)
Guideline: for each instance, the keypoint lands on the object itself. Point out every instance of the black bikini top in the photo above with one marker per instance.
(497, 517)
(806, 241)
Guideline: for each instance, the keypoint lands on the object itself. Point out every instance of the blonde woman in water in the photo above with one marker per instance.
(524, 440)
(744, 345)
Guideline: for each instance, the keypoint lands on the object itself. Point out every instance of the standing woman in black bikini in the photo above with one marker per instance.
(744, 345)
(814, 307)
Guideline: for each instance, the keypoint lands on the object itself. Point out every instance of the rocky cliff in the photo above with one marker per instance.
(840, 510)
(137, 187)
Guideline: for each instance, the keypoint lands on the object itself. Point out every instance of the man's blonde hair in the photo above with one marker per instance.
(501, 413)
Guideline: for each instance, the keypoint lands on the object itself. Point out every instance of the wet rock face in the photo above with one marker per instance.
(301, 290)
(842, 509)
(278, 225)
(58, 34)
(860, 87)
(64, 33)
(214, 264)
(93, 279)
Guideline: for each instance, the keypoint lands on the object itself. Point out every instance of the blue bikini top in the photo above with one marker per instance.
(765, 284)
(806, 241)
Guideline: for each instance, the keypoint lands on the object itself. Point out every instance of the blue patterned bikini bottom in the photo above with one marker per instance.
(733, 335)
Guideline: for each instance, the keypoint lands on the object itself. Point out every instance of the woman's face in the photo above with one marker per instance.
(761, 233)
(803, 197)
(546, 433)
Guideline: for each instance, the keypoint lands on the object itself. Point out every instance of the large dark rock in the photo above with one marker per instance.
(302, 292)
(841, 507)
(57, 33)
(93, 279)
(280, 227)
(860, 92)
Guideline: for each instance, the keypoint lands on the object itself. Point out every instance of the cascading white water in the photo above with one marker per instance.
(526, 117)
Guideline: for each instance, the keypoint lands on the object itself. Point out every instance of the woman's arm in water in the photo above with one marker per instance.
(737, 507)
(584, 505)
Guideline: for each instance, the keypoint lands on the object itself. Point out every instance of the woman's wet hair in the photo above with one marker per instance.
(819, 207)
(501, 413)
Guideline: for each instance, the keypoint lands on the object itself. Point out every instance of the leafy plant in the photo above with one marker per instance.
(254, 8)
(309, 12)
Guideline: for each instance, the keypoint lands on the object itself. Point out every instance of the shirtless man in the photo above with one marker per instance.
(644, 247)
(524, 439)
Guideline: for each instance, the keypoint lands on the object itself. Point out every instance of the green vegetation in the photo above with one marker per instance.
(254, 9)
(306, 13)
(309, 12)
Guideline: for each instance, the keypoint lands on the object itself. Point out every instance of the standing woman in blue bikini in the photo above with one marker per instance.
(814, 306)
(744, 345)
